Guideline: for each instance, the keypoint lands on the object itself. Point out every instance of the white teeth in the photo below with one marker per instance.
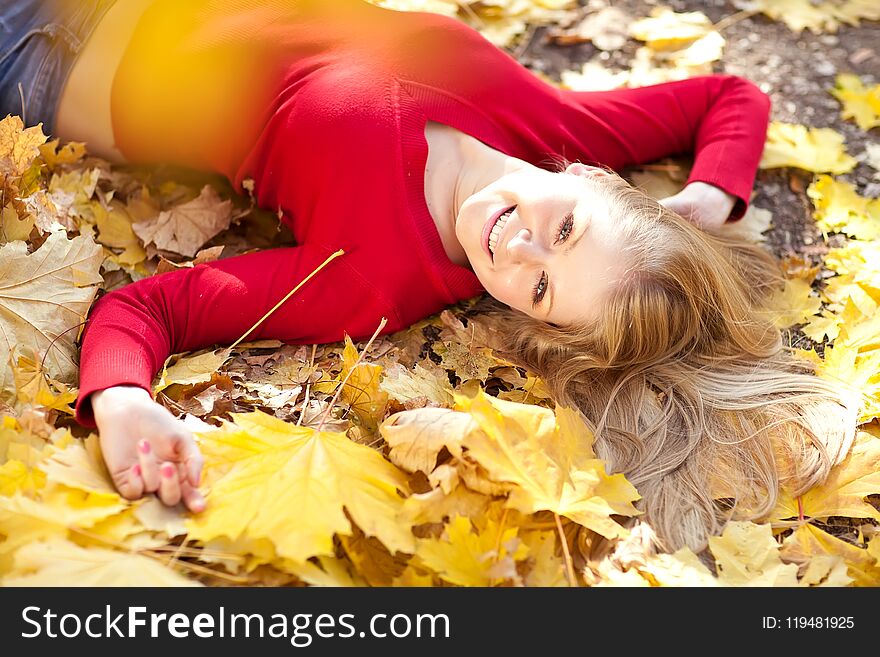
(496, 229)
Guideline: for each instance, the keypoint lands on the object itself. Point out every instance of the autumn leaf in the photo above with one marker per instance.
(51, 562)
(74, 467)
(362, 391)
(844, 492)
(666, 29)
(20, 477)
(184, 229)
(814, 16)
(416, 437)
(19, 146)
(24, 520)
(839, 208)
(420, 383)
(114, 230)
(438, 505)
(682, 568)
(44, 298)
(273, 467)
(860, 103)
(796, 303)
(549, 461)
(466, 557)
(192, 369)
(813, 149)
(840, 563)
(332, 572)
(747, 555)
(55, 155)
(32, 386)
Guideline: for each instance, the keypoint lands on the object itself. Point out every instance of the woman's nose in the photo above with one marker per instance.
(523, 248)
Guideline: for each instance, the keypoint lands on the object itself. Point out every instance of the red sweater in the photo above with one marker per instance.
(338, 97)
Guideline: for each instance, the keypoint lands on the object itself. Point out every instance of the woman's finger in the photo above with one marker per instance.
(169, 488)
(192, 498)
(149, 466)
(131, 486)
(193, 460)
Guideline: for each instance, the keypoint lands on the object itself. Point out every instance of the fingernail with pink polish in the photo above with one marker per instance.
(167, 470)
(144, 447)
(136, 470)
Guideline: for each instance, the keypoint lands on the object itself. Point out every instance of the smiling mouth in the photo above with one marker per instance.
(495, 232)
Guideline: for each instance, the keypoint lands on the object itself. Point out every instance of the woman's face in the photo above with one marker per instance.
(559, 238)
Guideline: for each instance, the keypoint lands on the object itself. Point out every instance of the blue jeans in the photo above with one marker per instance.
(39, 43)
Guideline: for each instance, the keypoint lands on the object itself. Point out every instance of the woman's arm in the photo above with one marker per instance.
(131, 332)
(721, 118)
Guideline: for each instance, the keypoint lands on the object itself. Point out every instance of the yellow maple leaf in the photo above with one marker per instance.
(290, 484)
(19, 146)
(857, 303)
(665, 29)
(362, 390)
(843, 493)
(820, 327)
(16, 476)
(332, 572)
(466, 557)
(114, 230)
(747, 555)
(808, 542)
(812, 149)
(796, 303)
(32, 386)
(54, 156)
(76, 468)
(859, 102)
(550, 462)
(58, 562)
(547, 567)
(413, 577)
(23, 520)
(12, 227)
(852, 11)
(839, 208)
(843, 363)
(798, 14)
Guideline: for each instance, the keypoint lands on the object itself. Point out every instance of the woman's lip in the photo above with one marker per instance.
(487, 229)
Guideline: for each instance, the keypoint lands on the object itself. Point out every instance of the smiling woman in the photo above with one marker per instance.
(392, 136)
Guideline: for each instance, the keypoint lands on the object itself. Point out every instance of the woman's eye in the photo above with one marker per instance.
(566, 227)
(538, 291)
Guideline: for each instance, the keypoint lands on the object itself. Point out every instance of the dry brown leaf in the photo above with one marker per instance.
(185, 228)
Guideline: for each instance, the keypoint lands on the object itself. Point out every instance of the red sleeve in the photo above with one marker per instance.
(722, 119)
(132, 331)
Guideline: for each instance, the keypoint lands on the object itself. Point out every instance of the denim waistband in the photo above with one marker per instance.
(39, 43)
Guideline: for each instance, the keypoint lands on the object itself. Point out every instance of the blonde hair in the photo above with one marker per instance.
(683, 378)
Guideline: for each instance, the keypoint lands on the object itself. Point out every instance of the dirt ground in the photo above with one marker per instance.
(796, 70)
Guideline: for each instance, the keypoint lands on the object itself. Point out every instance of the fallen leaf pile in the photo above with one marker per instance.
(420, 458)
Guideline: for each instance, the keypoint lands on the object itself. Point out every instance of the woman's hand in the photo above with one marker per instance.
(147, 449)
(702, 204)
